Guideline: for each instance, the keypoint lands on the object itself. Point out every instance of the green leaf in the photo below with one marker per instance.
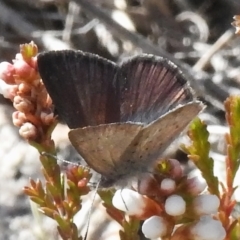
(199, 153)
(130, 229)
(232, 106)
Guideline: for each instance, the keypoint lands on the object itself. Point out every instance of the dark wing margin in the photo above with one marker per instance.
(80, 85)
(150, 86)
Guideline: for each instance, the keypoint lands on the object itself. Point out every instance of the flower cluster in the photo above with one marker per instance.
(20, 82)
(173, 206)
(60, 196)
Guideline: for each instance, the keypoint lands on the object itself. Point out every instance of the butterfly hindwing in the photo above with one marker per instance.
(157, 136)
(102, 146)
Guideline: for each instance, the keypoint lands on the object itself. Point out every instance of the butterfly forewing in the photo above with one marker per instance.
(80, 85)
(150, 86)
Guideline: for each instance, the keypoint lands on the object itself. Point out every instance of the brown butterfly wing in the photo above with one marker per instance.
(80, 85)
(157, 136)
(102, 146)
(150, 86)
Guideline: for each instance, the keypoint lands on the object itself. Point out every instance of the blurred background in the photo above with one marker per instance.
(197, 35)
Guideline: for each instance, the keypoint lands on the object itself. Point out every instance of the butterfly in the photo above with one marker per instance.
(122, 116)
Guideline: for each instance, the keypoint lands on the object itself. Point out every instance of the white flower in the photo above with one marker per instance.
(168, 184)
(175, 205)
(206, 204)
(129, 201)
(208, 229)
(154, 227)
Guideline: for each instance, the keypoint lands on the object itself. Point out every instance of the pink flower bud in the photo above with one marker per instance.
(148, 185)
(28, 131)
(24, 71)
(82, 183)
(196, 185)
(33, 62)
(7, 72)
(24, 88)
(22, 104)
(47, 119)
(18, 57)
(176, 171)
(7, 90)
(18, 118)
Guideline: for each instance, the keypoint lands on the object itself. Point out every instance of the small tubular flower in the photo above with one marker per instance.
(208, 229)
(135, 204)
(175, 205)
(155, 227)
(206, 204)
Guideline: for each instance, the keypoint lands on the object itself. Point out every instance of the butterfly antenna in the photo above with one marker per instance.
(58, 159)
(124, 201)
(90, 210)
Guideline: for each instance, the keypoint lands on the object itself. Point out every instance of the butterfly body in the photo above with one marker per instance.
(122, 117)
